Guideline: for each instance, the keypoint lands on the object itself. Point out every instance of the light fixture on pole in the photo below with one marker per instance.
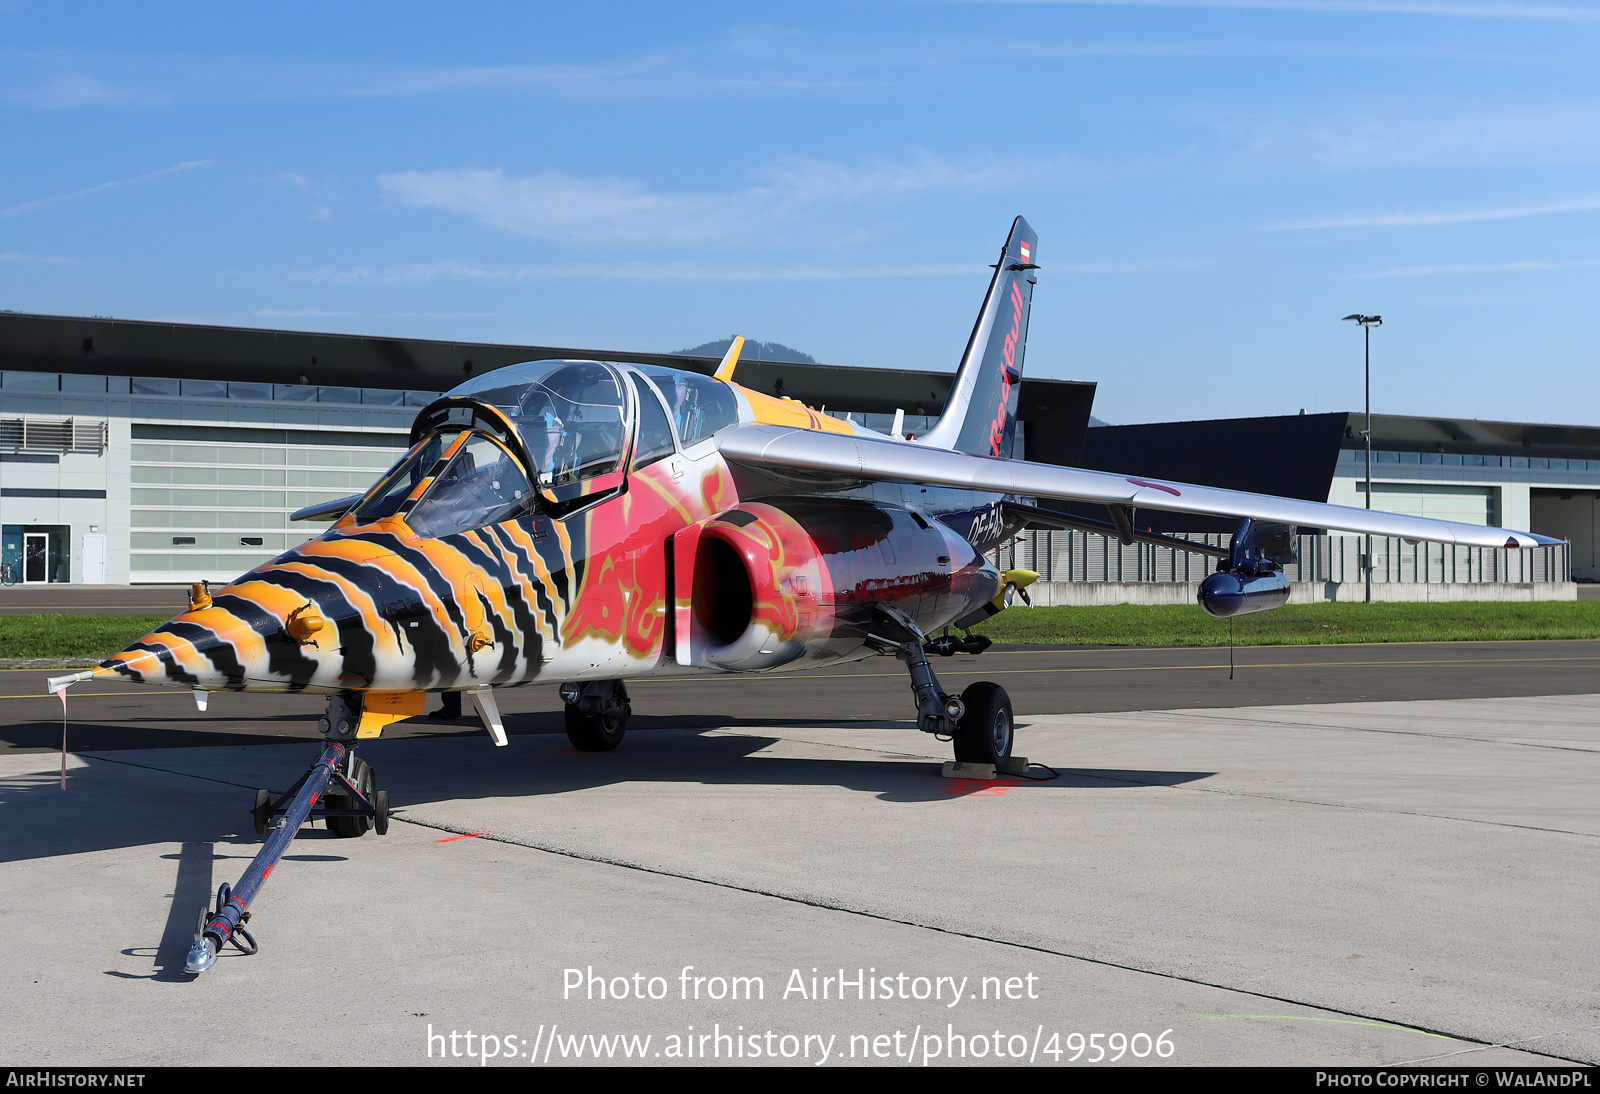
(1367, 322)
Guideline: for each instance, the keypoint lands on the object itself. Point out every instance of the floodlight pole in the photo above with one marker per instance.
(1366, 332)
(1367, 322)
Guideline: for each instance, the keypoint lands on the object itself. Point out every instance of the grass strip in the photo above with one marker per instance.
(96, 636)
(99, 636)
(1297, 624)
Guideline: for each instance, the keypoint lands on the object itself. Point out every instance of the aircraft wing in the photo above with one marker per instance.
(784, 448)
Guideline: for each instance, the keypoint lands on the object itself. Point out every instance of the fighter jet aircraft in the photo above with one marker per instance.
(584, 523)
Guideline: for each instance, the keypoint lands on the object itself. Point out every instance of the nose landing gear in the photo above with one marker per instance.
(350, 803)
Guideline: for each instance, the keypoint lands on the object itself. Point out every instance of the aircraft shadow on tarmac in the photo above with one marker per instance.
(735, 757)
(39, 820)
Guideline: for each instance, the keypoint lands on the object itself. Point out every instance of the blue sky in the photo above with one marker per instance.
(1214, 183)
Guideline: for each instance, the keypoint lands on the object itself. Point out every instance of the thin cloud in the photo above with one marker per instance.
(569, 209)
(17, 256)
(413, 273)
(1136, 266)
(348, 275)
(1454, 216)
(1527, 266)
(816, 50)
(319, 313)
(424, 272)
(67, 79)
(1370, 138)
(72, 89)
(1546, 12)
(302, 313)
(833, 272)
(640, 271)
(567, 78)
(40, 203)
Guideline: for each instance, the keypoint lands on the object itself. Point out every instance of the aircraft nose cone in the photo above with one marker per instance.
(262, 632)
(191, 650)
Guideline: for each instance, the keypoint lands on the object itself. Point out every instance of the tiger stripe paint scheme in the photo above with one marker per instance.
(615, 574)
(584, 597)
(575, 597)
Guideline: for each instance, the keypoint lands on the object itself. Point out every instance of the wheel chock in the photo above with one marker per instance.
(954, 769)
(1017, 765)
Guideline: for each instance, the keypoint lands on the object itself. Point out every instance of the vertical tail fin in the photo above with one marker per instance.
(980, 415)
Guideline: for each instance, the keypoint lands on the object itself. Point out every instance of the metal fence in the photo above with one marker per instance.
(1088, 556)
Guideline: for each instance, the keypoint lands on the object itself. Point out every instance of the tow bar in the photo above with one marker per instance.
(281, 822)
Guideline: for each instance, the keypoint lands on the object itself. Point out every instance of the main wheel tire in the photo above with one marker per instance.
(361, 775)
(986, 731)
(262, 811)
(600, 732)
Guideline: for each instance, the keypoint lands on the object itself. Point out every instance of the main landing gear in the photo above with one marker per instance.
(979, 722)
(597, 714)
(350, 804)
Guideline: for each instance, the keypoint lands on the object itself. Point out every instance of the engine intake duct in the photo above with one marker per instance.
(775, 582)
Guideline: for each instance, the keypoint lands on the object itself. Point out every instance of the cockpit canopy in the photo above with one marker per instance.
(475, 481)
(572, 415)
(573, 420)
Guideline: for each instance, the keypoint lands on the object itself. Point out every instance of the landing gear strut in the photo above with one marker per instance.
(979, 721)
(350, 804)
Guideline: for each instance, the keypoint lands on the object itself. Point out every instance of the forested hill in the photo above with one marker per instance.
(753, 351)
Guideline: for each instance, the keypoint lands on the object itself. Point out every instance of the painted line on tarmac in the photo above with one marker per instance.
(1202, 713)
(760, 677)
(1090, 647)
(763, 677)
(1339, 1021)
(815, 902)
(127, 694)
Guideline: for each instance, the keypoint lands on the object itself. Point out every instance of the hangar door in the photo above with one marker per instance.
(1463, 504)
(1571, 515)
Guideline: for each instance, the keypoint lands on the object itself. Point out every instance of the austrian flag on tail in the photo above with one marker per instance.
(1027, 256)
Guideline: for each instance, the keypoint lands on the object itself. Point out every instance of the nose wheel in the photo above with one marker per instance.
(347, 815)
(350, 805)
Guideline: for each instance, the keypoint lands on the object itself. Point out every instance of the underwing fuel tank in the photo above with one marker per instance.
(1251, 579)
(1224, 595)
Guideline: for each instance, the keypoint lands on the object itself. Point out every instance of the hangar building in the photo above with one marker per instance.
(136, 452)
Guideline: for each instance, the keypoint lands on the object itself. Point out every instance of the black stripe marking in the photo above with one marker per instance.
(284, 654)
(355, 640)
(168, 660)
(214, 648)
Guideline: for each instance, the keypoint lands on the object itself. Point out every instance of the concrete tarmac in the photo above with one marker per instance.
(64, 599)
(1392, 881)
